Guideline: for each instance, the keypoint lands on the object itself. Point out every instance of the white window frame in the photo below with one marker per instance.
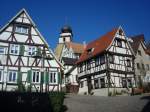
(39, 76)
(3, 51)
(14, 48)
(13, 80)
(1, 75)
(32, 50)
(53, 77)
(22, 29)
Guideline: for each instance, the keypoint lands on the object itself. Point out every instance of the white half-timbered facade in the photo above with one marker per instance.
(25, 57)
(107, 64)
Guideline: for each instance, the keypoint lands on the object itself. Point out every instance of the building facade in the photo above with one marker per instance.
(142, 59)
(26, 61)
(68, 52)
(107, 64)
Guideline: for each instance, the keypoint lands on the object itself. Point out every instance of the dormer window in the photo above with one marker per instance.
(21, 29)
(89, 51)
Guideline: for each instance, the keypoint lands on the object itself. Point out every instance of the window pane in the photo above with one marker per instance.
(34, 76)
(14, 77)
(10, 76)
(54, 77)
(0, 75)
(2, 50)
(37, 77)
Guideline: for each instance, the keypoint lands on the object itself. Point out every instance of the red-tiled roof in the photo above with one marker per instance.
(77, 48)
(136, 42)
(98, 46)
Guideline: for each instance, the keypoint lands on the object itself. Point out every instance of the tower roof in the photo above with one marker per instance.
(66, 29)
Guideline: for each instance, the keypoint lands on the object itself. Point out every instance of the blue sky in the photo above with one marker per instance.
(89, 19)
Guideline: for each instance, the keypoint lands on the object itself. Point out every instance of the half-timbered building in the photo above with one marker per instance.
(25, 57)
(68, 52)
(107, 65)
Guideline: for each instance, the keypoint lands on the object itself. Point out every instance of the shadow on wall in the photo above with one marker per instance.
(146, 108)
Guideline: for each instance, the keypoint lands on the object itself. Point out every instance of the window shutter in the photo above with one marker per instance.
(38, 53)
(19, 77)
(46, 77)
(22, 49)
(42, 77)
(29, 76)
(59, 78)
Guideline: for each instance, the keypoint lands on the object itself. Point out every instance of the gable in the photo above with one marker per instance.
(120, 43)
(22, 30)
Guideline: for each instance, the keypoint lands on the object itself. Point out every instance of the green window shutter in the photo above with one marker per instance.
(19, 77)
(59, 78)
(22, 49)
(46, 77)
(42, 77)
(38, 53)
(29, 76)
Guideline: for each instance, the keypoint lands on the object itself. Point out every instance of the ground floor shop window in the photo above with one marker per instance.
(102, 82)
(96, 84)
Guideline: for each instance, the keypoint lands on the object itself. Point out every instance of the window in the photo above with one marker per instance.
(52, 77)
(102, 59)
(102, 82)
(64, 39)
(96, 84)
(21, 29)
(124, 83)
(12, 76)
(128, 63)
(14, 49)
(88, 64)
(1, 75)
(111, 59)
(138, 66)
(32, 51)
(81, 84)
(129, 83)
(119, 43)
(81, 68)
(35, 76)
(147, 66)
(139, 53)
(143, 67)
(120, 32)
(2, 50)
(97, 61)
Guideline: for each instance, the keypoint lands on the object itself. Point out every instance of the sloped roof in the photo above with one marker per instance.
(136, 42)
(77, 48)
(98, 46)
(58, 50)
(69, 61)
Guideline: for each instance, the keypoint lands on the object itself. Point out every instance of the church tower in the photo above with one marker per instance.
(65, 35)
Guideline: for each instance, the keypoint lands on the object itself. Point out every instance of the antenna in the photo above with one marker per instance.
(66, 20)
